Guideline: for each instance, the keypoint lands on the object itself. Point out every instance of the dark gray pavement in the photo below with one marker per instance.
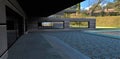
(35, 45)
(96, 47)
(32, 46)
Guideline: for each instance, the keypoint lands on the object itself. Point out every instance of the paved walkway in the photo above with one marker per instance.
(34, 45)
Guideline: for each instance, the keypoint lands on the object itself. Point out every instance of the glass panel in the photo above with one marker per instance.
(46, 23)
(58, 25)
(83, 24)
(77, 24)
(74, 24)
(14, 26)
(51, 25)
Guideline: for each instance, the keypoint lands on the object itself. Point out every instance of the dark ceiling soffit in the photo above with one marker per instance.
(44, 8)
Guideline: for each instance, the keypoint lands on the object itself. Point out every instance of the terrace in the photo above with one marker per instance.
(25, 35)
(65, 44)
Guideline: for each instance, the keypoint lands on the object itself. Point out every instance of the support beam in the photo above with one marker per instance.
(8, 4)
(17, 6)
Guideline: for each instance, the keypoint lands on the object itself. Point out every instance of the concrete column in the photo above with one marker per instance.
(3, 30)
(3, 39)
(66, 24)
(92, 24)
(2, 13)
(88, 24)
(32, 24)
(24, 25)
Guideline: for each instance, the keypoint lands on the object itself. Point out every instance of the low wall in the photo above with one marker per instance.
(91, 21)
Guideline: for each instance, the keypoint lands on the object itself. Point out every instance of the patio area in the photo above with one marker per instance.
(37, 45)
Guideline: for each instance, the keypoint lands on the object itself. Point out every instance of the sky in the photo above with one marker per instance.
(87, 3)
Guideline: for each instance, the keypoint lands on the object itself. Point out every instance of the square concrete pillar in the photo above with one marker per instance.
(2, 13)
(3, 31)
(3, 39)
(66, 25)
(92, 24)
(33, 24)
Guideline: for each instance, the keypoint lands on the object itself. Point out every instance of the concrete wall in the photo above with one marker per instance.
(2, 12)
(3, 31)
(32, 23)
(3, 39)
(91, 21)
(3, 24)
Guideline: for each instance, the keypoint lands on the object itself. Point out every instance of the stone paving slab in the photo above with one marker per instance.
(32, 46)
(65, 50)
(96, 47)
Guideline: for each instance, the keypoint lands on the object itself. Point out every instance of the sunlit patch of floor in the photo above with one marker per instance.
(33, 45)
(91, 45)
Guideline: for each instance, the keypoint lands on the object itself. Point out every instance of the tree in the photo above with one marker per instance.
(96, 4)
(93, 9)
(97, 8)
(110, 5)
(117, 5)
(78, 8)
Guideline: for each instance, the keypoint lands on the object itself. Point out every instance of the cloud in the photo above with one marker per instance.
(103, 4)
(81, 8)
(87, 8)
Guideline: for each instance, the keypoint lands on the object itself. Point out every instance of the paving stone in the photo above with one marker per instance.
(91, 45)
(96, 47)
(32, 46)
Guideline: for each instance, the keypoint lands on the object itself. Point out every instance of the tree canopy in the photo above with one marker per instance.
(117, 5)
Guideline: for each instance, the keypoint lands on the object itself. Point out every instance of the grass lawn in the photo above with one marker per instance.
(97, 27)
(106, 21)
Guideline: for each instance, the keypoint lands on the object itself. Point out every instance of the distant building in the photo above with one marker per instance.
(64, 13)
(109, 12)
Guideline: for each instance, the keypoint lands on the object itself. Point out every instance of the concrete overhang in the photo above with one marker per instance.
(44, 8)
